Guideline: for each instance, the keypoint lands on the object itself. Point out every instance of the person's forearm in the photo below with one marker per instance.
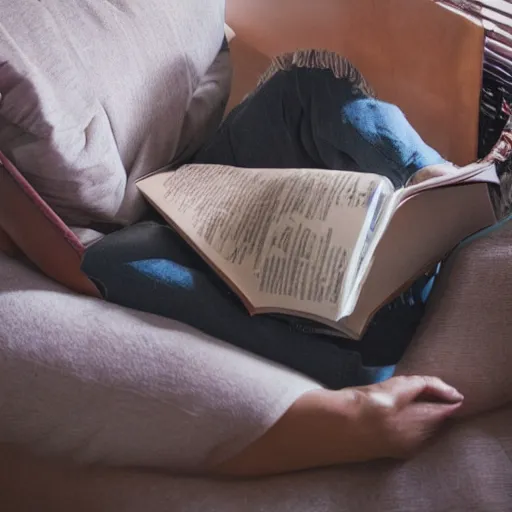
(307, 436)
(325, 428)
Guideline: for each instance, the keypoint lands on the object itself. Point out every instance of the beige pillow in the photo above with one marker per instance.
(97, 93)
(466, 335)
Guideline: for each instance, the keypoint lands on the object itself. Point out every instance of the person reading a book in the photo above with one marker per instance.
(310, 110)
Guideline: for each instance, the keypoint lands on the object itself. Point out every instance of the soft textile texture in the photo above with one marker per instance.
(466, 334)
(467, 469)
(314, 109)
(95, 94)
(102, 384)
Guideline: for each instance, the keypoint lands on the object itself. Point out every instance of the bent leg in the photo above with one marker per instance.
(303, 117)
(309, 117)
(149, 267)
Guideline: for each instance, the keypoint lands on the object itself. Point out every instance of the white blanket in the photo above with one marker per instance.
(101, 384)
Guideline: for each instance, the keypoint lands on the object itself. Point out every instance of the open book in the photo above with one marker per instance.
(331, 247)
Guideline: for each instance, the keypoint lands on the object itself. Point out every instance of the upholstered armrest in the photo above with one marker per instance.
(466, 335)
(467, 468)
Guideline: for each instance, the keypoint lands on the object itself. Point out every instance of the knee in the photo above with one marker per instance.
(385, 128)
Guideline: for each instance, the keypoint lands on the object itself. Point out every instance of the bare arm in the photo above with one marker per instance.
(322, 428)
(326, 428)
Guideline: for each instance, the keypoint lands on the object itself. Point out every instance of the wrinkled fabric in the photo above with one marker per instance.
(99, 384)
(310, 117)
(468, 468)
(95, 94)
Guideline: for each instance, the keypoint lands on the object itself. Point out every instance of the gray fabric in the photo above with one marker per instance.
(96, 93)
(97, 383)
(103, 384)
(466, 335)
(467, 469)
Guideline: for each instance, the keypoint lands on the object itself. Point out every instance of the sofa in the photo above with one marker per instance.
(72, 398)
(103, 408)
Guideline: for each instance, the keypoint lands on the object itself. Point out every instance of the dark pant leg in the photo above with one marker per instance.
(310, 118)
(148, 267)
(294, 120)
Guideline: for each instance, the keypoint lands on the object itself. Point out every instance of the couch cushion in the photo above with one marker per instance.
(468, 468)
(466, 334)
(96, 93)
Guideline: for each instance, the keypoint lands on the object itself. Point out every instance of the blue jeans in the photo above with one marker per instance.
(299, 118)
(310, 118)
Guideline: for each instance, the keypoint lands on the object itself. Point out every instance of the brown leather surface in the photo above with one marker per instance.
(25, 226)
(7, 246)
(248, 66)
(416, 54)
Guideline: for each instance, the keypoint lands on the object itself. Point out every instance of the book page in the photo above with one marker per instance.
(423, 230)
(283, 238)
(480, 172)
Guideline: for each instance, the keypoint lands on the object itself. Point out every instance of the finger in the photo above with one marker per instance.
(429, 172)
(422, 422)
(429, 389)
(432, 412)
(429, 421)
(428, 418)
(436, 390)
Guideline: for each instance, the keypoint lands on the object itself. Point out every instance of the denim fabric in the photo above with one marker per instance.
(310, 118)
(299, 118)
(150, 268)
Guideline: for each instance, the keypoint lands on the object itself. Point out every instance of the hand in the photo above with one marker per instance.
(326, 428)
(396, 417)
(430, 172)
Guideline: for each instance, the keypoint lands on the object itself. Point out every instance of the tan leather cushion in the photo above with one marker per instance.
(416, 54)
(29, 228)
